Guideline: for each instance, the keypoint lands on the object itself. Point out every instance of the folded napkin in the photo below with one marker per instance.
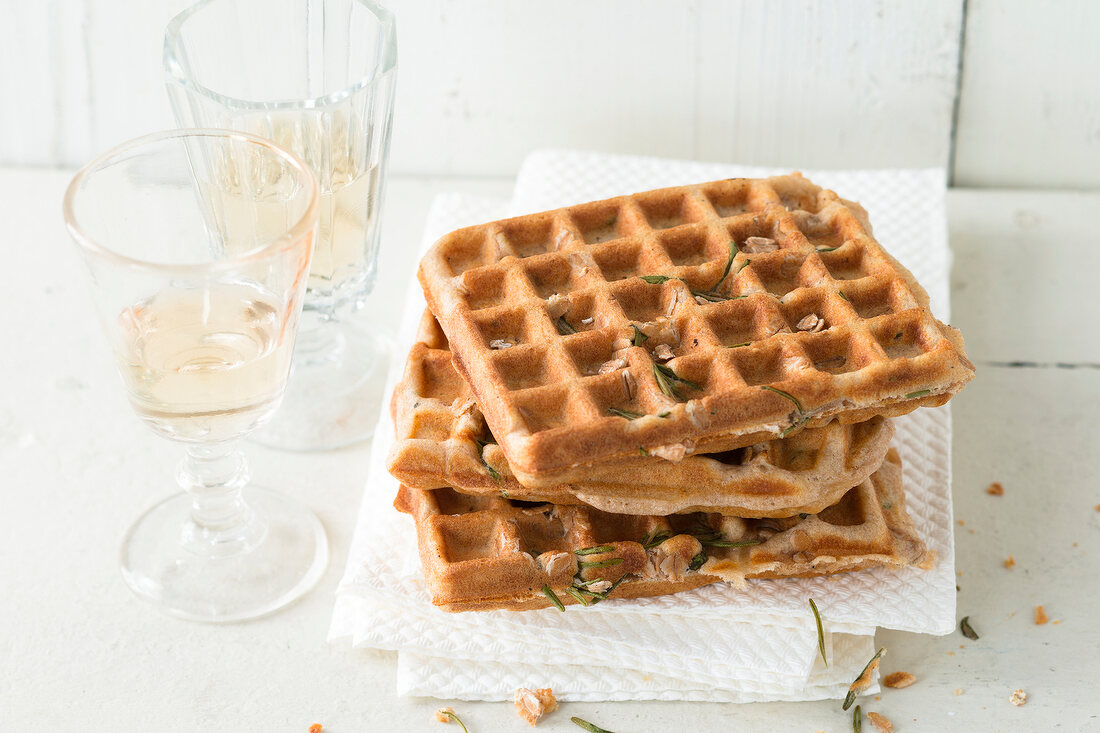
(715, 643)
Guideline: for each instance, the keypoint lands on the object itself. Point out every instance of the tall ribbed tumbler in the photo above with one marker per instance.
(317, 78)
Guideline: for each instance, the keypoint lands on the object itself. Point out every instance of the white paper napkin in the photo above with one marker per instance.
(715, 643)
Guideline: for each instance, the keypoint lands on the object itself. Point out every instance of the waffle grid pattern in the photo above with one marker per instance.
(540, 309)
(443, 441)
(486, 552)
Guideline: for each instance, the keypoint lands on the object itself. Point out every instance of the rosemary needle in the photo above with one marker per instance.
(862, 682)
(967, 630)
(857, 719)
(820, 633)
(553, 598)
(590, 727)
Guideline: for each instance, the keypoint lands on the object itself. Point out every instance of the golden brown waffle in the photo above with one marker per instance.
(442, 440)
(812, 321)
(486, 552)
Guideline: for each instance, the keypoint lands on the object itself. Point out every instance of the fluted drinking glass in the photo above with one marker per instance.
(198, 245)
(316, 77)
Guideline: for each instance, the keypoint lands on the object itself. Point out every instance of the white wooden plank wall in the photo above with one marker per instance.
(806, 83)
(1029, 113)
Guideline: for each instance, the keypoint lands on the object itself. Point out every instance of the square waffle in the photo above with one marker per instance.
(487, 552)
(442, 440)
(691, 319)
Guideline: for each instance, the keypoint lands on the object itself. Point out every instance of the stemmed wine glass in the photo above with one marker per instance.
(198, 245)
(316, 77)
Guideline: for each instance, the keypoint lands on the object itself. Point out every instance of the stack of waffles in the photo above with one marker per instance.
(651, 393)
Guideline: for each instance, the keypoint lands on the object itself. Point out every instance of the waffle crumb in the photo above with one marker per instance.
(1040, 616)
(442, 714)
(881, 722)
(958, 691)
(898, 680)
(315, 728)
(1010, 562)
(1019, 697)
(533, 704)
(995, 489)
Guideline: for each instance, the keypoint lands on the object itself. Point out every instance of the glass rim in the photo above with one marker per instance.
(293, 234)
(173, 69)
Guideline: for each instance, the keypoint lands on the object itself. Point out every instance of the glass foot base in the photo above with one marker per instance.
(333, 395)
(281, 555)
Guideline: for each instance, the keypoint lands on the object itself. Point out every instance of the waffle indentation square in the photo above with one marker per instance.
(823, 235)
(521, 368)
(643, 302)
(550, 275)
(589, 351)
(467, 536)
(485, 287)
(618, 260)
(437, 378)
(501, 331)
(543, 408)
(529, 236)
(845, 263)
(582, 314)
(664, 211)
(696, 370)
(848, 512)
(832, 353)
(431, 426)
(729, 198)
(870, 298)
(614, 391)
(744, 227)
(759, 365)
(466, 250)
(779, 275)
(541, 531)
(899, 339)
(798, 309)
(733, 322)
(687, 246)
(597, 222)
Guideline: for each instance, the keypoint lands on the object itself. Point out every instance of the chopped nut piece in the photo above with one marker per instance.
(599, 586)
(499, 344)
(881, 722)
(995, 489)
(629, 384)
(587, 321)
(440, 715)
(674, 452)
(562, 237)
(1040, 616)
(558, 305)
(663, 353)
(533, 704)
(501, 245)
(610, 366)
(898, 680)
(811, 323)
(759, 245)
(1019, 697)
(1010, 562)
(701, 300)
(555, 563)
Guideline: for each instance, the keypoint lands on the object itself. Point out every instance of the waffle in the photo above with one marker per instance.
(442, 440)
(723, 314)
(487, 552)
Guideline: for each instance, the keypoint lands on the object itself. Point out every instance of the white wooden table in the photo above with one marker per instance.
(78, 653)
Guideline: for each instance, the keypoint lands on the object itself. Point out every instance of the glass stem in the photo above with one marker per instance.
(221, 523)
(320, 339)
